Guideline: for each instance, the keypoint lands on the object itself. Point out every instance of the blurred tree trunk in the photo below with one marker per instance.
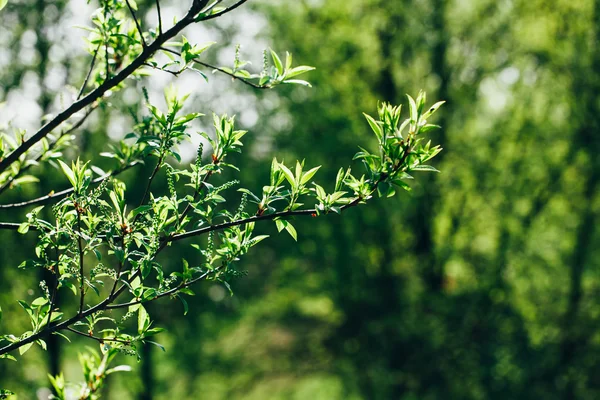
(432, 267)
(586, 87)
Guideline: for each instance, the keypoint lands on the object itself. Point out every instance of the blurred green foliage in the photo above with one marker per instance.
(482, 284)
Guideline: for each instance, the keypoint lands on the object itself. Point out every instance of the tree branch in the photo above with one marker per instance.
(110, 83)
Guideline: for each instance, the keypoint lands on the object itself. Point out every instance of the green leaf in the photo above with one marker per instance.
(433, 109)
(3, 4)
(68, 172)
(292, 231)
(40, 301)
(424, 168)
(23, 349)
(298, 82)
(413, 108)
(156, 344)
(283, 224)
(143, 320)
(307, 176)
(184, 302)
(288, 174)
(277, 62)
(280, 224)
(298, 70)
(374, 126)
(26, 179)
(23, 228)
(118, 368)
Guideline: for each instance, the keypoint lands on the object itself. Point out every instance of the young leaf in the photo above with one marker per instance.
(307, 176)
(292, 231)
(298, 70)
(277, 62)
(68, 172)
(425, 168)
(23, 349)
(184, 302)
(298, 82)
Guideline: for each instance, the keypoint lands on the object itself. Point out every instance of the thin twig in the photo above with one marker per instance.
(156, 169)
(222, 12)
(98, 339)
(137, 24)
(107, 64)
(159, 17)
(89, 74)
(59, 195)
(55, 288)
(114, 288)
(9, 226)
(81, 271)
(204, 64)
(174, 73)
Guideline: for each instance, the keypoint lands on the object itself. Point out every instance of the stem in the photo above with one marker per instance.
(54, 289)
(156, 169)
(81, 272)
(119, 269)
(137, 24)
(159, 18)
(100, 340)
(89, 74)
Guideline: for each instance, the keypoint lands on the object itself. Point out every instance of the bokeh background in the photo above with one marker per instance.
(483, 283)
